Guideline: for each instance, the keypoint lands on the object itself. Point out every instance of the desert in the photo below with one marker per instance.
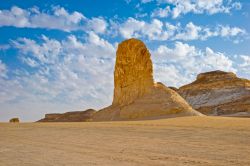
(190, 141)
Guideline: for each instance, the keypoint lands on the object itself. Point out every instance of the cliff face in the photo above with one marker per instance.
(136, 96)
(76, 116)
(218, 93)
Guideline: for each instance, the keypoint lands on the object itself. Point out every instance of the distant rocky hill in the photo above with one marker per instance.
(136, 96)
(218, 93)
(76, 116)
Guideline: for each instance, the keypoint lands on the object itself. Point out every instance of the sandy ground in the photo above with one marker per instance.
(179, 141)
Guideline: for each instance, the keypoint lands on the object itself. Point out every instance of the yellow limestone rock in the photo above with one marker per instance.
(133, 72)
(136, 96)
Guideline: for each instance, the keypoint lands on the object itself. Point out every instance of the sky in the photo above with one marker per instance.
(58, 56)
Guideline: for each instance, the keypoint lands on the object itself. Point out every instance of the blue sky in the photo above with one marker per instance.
(59, 56)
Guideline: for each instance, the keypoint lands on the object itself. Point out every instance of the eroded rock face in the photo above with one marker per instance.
(76, 116)
(136, 96)
(133, 76)
(218, 93)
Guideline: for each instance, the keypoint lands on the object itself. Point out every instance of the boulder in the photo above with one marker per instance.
(14, 120)
(136, 96)
(218, 93)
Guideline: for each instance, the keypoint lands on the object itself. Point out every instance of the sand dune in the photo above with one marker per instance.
(178, 141)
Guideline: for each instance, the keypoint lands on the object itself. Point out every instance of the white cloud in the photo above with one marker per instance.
(99, 25)
(161, 12)
(244, 65)
(131, 27)
(228, 31)
(33, 18)
(169, 74)
(67, 72)
(180, 51)
(182, 7)
(47, 53)
(29, 61)
(217, 60)
(58, 18)
(246, 61)
(146, 1)
(190, 32)
(10, 90)
(156, 30)
(181, 64)
(97, 41)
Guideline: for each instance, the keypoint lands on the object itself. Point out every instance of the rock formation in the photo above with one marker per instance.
(14, 120)
(218, 93)
(77, 116)
(133, 72)
(136, 96)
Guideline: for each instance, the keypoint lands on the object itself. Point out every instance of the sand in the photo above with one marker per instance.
(178, 141)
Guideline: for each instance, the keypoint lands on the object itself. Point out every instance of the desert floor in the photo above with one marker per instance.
(178, 141)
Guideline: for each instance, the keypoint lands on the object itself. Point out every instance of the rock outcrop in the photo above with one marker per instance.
(133, 76)
(218, 93)
(136, 96)
(76, 116)
(14, 120)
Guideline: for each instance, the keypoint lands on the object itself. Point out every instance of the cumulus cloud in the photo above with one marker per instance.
(243, 65)
(180, 65)
(99, 25)
(158, 30)
(130, 27)
(61, 73)
(180, 51)
(58, 18)
(246, 60)
(182, 7)
(9, 89)
(161, 12)
(153, 30)
(190, 32)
